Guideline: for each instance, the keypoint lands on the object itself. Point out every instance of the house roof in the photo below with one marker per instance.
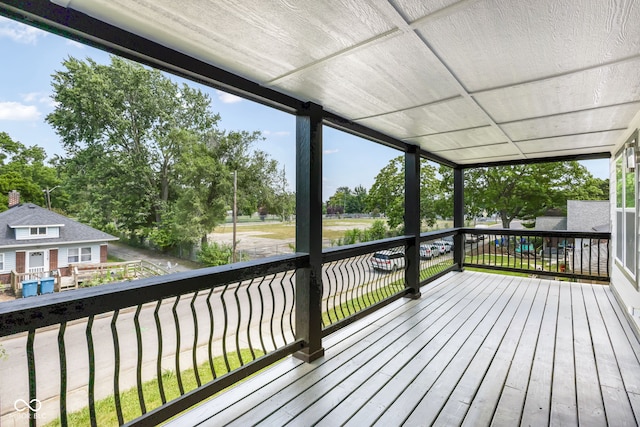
(587, 215)
(470, 82)
(551, 223)
(30, 215)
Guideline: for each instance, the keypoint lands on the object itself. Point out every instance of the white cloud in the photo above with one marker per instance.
(39, 97)
(19, 33)
(227, 98)
(17, 111)
(75, 44)
(276, 133)
(330, 151)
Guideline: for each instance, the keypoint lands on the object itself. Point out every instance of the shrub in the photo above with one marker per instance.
(214, 254)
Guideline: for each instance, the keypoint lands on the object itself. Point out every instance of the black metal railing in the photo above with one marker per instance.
(164, 343)
(564, 254)
(360, 278)
(436, 255)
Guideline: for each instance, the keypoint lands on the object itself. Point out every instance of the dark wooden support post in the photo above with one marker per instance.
(309, 230)
(458, 216)
(412, 220)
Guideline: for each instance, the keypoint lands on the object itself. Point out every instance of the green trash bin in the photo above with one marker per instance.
(46, 285)
(29, 288)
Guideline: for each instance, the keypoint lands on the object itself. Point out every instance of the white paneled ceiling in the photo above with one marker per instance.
(472, 81)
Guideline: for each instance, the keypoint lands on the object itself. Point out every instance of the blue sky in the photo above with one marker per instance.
(31, 56)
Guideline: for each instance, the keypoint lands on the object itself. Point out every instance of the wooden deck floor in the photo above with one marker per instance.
(477, 349)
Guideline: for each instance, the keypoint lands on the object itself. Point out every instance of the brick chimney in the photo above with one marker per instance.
(14, 198)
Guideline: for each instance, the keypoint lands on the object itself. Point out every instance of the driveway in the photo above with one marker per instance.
(168, 262)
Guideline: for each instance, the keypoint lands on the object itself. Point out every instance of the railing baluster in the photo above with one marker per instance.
(194, 352)
(273, 312)
(284, 307)
(211, 331)
(156, 317)
(116, 367)
(31, 366)
(249, 320)
(341, 291)
(176, 322)
(293, 302)
(136, 322)
(260, 333)
(238, 323)
(63, 374)
(92, 371)
(225, 327)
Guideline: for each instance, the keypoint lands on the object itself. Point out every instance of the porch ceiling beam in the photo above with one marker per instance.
(77, 26)
(349, 126)
(87, 30)
(590, 156)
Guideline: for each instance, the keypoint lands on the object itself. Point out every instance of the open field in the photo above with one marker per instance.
(332, 228)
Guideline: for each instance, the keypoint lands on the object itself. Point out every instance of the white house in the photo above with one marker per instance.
(34, 239)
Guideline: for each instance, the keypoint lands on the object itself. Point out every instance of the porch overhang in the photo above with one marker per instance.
(469, 82)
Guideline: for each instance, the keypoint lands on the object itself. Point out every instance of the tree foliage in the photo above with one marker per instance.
(145, 156)
(527, 191)
(23, 169)
(387, 193)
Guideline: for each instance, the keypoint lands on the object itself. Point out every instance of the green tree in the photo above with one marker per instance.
(23, 169)
(526, 191)
(387, 193)
(338, 202)
(145, 156)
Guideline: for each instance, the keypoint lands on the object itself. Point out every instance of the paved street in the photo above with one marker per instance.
(237, 313)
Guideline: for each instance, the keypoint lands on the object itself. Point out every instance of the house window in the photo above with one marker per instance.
(626, 227)
(38, 231)
(79, 255)
(1, 262)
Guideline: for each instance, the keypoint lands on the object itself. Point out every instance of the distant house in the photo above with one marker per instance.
(548, 223)
(582, 215)
(36, 240)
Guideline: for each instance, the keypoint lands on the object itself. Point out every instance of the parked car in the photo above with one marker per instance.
(426, 252)
(443, 244)
(449, 241)
(440, 246)
(388, 260)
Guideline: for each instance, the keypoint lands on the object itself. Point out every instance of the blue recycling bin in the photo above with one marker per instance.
(29, 288)
(46, 285)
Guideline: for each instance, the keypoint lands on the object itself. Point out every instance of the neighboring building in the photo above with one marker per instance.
(551, 223)
(582, 215)
(34, 240)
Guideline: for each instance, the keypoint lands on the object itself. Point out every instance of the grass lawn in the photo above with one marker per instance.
(331, 228)
(106, 410)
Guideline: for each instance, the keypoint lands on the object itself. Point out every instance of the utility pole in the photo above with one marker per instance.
(47, 193)
(235, 213)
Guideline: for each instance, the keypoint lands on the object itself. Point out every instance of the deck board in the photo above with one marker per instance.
(476, 349)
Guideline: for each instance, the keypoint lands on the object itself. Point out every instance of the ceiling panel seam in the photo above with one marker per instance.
(413, 107)
(566, 113)
(558, 75)
(446, 132)
(394, 32)
(570, 135)
(462, 89)
(588, 147)
(466, 147)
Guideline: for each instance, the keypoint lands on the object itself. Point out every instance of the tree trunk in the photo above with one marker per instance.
(506, 221)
